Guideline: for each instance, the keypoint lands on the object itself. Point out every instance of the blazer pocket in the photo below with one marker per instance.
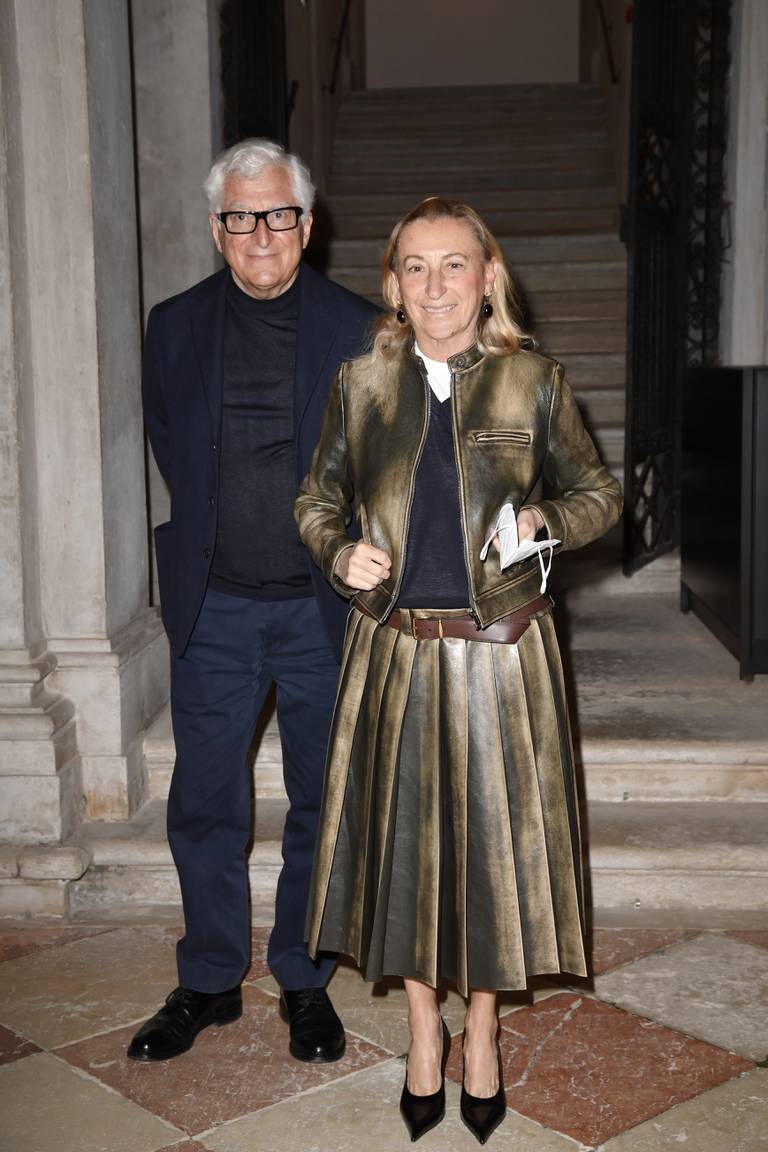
(503, 436)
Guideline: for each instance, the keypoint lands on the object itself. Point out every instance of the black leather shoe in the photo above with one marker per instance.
(173, 1029)
(317, 1034)
(422, 1113)
(482, 1115)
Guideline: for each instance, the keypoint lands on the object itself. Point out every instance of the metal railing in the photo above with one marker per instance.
(339, 45)
(613, 70)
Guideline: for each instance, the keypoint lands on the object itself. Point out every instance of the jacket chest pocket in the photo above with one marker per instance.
(503, 436)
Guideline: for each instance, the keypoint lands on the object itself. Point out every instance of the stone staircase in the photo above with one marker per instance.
(534, 161)
(673, 749)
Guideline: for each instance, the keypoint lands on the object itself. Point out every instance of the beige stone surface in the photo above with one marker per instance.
(712, 987)
(40, 863)
(361, 1112)
(378, 1012)
(48, 1105)
(32, 898)
(88, 986)
(730, 1118)
(9, 862)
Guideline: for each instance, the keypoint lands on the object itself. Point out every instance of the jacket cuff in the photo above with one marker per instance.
(333, 550)
(553, 520)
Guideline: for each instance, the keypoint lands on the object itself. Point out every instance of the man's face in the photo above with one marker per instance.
(263, 263)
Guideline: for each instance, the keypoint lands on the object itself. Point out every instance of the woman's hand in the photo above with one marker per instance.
(529, 522)
(363, 566)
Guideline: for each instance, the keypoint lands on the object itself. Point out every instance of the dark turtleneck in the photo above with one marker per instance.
(258, 550)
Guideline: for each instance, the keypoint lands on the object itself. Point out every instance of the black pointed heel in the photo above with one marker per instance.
(422, 1113)
(482, 1115)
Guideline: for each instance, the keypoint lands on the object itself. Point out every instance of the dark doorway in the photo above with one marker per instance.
(253, 73)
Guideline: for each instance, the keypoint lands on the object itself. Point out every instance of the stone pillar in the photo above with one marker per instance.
(79, 574)
(175, 60)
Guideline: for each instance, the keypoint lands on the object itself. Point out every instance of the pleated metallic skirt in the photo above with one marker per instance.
(449, 844)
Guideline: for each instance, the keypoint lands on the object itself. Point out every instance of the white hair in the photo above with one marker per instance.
(250, 159)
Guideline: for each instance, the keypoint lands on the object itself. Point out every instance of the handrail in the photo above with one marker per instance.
(607, 37)
(339, 42)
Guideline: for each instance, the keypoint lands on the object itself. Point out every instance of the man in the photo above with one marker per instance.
(236, 376)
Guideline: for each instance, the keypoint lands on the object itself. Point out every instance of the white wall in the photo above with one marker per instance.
(418, 43)
(744, 316)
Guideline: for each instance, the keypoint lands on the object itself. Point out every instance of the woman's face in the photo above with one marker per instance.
(442, 277)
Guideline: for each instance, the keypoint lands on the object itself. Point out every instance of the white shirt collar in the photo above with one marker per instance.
(438, 374)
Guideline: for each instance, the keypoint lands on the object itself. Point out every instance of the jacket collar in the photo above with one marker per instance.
(317, 328)
(459, 363)
(206, 316)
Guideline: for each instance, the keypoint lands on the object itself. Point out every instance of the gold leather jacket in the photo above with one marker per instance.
(515, 422)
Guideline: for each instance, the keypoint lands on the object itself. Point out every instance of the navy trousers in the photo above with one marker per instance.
(238, 649)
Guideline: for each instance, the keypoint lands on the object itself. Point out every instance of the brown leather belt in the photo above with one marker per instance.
(506, 631)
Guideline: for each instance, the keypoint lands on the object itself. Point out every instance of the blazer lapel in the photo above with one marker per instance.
(206, 317)
(317, 328)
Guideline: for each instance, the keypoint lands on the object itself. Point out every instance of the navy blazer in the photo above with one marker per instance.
(182, 391)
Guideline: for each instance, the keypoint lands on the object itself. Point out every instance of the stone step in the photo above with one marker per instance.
(601, 407)
(474, 96)
(602, 249)
(559, 338)
(610, 445)
(472, 105)
(463, 181)
(553, 221)
(439, 146)
(397, 204)
(436, 150)
(644, 857)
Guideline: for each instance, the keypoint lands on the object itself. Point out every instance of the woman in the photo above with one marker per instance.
(449, 844)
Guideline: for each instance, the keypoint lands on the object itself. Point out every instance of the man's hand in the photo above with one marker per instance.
(363, 566)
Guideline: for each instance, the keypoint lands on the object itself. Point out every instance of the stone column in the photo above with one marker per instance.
(81, 570)
(175, 60)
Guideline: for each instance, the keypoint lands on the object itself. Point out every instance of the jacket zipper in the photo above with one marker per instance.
(411, 487)
(465, 538)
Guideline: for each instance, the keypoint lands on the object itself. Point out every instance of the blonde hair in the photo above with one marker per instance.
(497, 334)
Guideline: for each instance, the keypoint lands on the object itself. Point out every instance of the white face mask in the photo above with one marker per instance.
(545, 571)
(511, 550)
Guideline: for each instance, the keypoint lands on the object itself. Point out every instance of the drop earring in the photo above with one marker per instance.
(400, 314)
(487, 309)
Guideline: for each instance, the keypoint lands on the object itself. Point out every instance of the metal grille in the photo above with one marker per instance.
(680, 61)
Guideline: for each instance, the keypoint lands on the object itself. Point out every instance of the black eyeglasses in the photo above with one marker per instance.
(276, 219)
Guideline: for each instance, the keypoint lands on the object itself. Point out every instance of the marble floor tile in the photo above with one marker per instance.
(55, 996)
(749, 936)
(378, 1012)
(24, 939)
(612, 947)
(184, 1146)
(712, 987)
(48, 1105)
(591, 1071)
(230, 1071)
(13, 1047)
(361, 1112)
(259, 966)
(731, 1118)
